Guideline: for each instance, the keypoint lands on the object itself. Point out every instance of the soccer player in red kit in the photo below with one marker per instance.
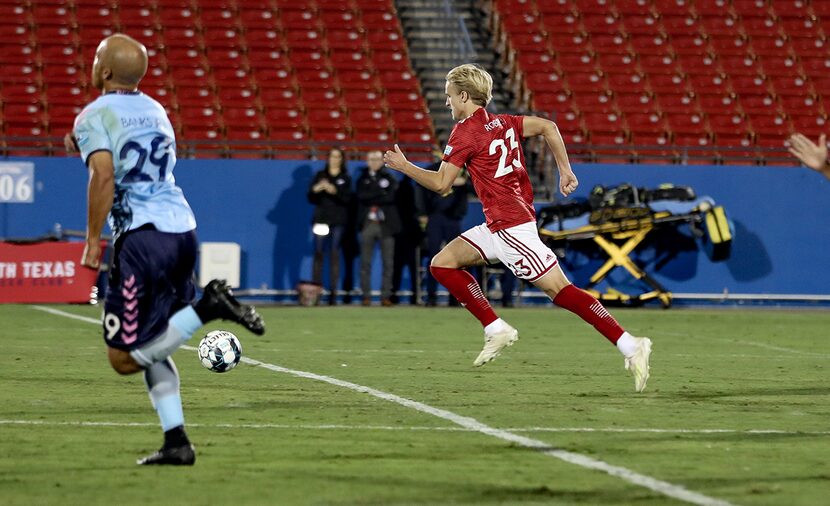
(489, 145)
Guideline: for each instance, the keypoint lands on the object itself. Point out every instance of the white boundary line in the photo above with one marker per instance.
(471, 424)
(419, 428)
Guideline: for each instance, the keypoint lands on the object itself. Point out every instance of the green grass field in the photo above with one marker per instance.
(737, 410)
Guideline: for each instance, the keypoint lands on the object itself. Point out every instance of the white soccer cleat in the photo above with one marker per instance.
(637, 363)
(495, 343)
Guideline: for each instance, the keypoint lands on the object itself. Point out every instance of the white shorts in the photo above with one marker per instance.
(519, 248)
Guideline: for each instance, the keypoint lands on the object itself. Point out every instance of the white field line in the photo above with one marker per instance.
(784, 349)
(416, 428)
(659, 486)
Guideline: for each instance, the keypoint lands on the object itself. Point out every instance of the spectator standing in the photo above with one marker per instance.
(331, 193)
(407, 241)
(440, 216)
(379, 222)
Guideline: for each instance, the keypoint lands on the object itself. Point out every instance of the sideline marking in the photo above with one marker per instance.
(418, 428)
(659, 486)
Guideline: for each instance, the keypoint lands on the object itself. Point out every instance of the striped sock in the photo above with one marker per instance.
(589, 309)
(464, 287)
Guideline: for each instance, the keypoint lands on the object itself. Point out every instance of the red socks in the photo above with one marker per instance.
(464, 287)
(589, 309)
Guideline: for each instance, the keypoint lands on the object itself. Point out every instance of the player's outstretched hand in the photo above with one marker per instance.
(810, 154)
(395, 159)
(567, 182)
(70, 144)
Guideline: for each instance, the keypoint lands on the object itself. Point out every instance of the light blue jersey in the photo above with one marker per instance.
(136, 130)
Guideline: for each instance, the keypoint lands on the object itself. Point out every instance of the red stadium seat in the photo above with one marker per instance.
(667, 83)
(257, 18)
(248, 143)
(303, 20)
(321, 98)
(405, 100)
(559, 41)
(717, 103)
(728, 124)
(650, 44)
(627, 101)
(377, 18)
(686, 25)
(390, 60)
(238, 96)
(594, 102)
(643, 22)
(397, 80)
(610, 122)
(688, 44)
(646, 122)
(285, 118)
(241, 117)
(529, 42)
(626, 82)
(749, 85)
(789, 84)
(677, 103)
(568, 120)
(680, 123)
(779, 65)
(322, 79)
(676, 8)
(740, 65)
(340, 19)
(575, 62)
(305, 39)
(811, 125)
(709, 83)
(309, 60)
(385, 40)
(340, 38)
(583, 82)
(355, 98)
(658, 64)
(358, 80)
(263, 39)
(350, 60)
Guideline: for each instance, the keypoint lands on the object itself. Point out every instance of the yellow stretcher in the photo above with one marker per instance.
(619, 238)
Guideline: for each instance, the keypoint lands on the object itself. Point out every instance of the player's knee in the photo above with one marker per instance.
(122, 362)
(442, 261)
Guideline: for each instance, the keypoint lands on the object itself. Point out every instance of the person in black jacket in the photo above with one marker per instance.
(331, 193)
(379, 221)
(440, 216)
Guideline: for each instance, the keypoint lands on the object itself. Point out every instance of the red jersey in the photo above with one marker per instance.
(490, 145)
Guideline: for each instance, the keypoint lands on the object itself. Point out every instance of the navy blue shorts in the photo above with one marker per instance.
(150, 279)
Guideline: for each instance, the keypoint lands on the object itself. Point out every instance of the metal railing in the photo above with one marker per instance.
(218, 148)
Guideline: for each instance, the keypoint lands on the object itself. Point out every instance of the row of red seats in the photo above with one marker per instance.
(725, 8)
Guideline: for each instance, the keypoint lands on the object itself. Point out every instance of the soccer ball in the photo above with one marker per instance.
(220, 351)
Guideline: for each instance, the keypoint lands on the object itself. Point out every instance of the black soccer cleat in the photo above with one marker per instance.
(218, 302)
(184, 455)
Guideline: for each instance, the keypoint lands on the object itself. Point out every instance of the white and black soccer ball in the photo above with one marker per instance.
(220, 351)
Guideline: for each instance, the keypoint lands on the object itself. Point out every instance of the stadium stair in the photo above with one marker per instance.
(442, 34)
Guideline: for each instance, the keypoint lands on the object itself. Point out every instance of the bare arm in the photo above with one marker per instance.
(812, 155)
(533, 126)
(439, 181)
(99, 202)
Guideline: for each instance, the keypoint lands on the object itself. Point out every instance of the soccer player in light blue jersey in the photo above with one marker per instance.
(129, 146)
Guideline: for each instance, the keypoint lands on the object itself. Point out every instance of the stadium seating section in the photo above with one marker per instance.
(270, 78)
(685, 80)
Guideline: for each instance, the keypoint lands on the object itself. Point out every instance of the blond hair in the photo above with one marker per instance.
(473, 79)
